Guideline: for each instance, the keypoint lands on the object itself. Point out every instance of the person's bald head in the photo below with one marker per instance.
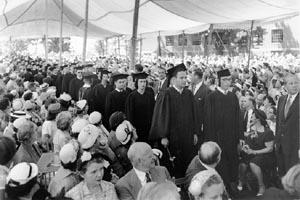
(210, 153)
(141, 156)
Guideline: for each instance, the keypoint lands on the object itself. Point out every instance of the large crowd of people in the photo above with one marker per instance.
(132, 134)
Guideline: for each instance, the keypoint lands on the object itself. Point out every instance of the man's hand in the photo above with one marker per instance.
(165, 142)
(195, 139)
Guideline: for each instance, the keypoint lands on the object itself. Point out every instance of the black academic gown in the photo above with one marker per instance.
(66, 80)
(222, 125)
(87, 94)
(100, 92)
(75, 85)
(58, 84)
(115, 101)
(174, 118)
(139, 111)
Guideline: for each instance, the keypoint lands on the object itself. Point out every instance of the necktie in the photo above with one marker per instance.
(287, 106)
(148, 177)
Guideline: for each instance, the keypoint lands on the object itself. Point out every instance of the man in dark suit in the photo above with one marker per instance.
(287, 126)
(163, 82)
(200, 91)
(208, 157)
(144, 170)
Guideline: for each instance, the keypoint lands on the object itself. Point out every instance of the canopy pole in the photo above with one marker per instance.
(159, 47)
(46, 35)
(250, 43)
(85, 30)
(61, 30)
(134, 33)
(183, 46)
(211, 29)
(119, 48)
(141, 47)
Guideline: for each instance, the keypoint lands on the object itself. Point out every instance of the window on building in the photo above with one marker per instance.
(277, 36)
(182, 40)
(169, 40)
(196, 39)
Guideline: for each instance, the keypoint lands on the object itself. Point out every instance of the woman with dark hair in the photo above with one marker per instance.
(22, 183)
(257, 151)
(114, 121)
(7, 152)
(139, 107)
(268, 102)
(91, 168)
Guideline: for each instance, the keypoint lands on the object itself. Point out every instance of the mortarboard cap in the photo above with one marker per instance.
(224, 72)
(118, 76)
(80, 67)
(137, 76)
(87, 75)
(174, 70)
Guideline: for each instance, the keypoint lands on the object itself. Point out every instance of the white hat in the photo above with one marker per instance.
(18, 104)
(44, 86)
(20, 114)
(68, 153)
(22, 173)
(19, 122)
(28, 105)
(95, 117)
(81, 104)
(13, 76)
(65, 97)
(88, 136)
(78, 125)
(51, 89)
(124, 132)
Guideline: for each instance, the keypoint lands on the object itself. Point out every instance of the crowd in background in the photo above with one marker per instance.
(121, 133)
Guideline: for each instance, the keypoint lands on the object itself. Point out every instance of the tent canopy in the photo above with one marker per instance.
(115, 17)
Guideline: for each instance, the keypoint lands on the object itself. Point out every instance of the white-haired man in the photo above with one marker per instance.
(144, 170)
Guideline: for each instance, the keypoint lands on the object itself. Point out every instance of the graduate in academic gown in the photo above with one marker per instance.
(221, 125)
(66, 80)
(139, 107)
(116, 99)
(76, 83)
(86, 91)
(173, 123)
(100, 91)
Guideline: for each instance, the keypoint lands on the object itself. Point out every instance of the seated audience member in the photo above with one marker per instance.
(208, 157)
(257, 150)
(22, 183)
(81, 110)
(291, 186)
(62, 134)
(93, 141)
(7, 152)
(95, 118)
(125, 133)
(159, 191)
(207, 184)
(66, 177)
(144, 170)
(93, 187)
(28, 151)
(114, 121)
(65, 101)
